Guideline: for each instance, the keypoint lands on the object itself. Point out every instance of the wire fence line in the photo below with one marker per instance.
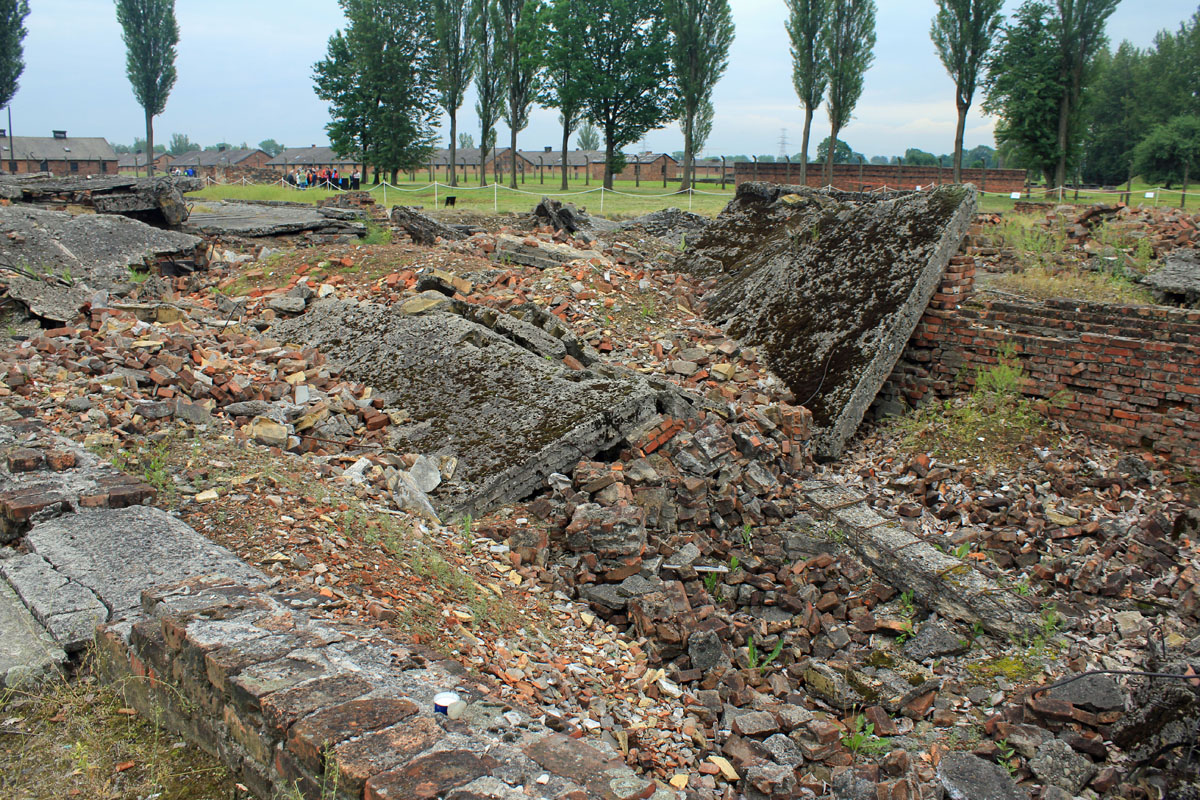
(1154, 194)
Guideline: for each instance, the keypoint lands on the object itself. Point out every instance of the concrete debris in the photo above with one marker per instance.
(422, 229)
(256, 220)
(89, 249)
(1177, 281)
(566, 218)
(675, 227)
(831, 288)
(968, 777)
(510, 416)
(531, 252)
(158, 201)
(28, 653)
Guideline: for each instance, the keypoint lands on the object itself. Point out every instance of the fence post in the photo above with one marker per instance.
(1183, 196)
(722, 173)
(787, 170)
(385, 195)
(496, 198)
(755, 167)
(435, 195)
(690, 194)
(602, 200)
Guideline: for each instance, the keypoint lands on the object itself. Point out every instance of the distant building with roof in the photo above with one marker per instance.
(136, 163)
(313, 157)
(58, 154)
(216, 164)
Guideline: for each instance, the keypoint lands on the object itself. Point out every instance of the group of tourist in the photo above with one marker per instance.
(330, 178)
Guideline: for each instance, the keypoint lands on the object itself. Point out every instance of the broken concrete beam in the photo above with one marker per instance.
(153, 200)
(422, 229)
(255, 220)
(1177, 281)
(537, 253)
(510, 414)
(937, 580)
(92, 250)
(27, 651)
(830, 287)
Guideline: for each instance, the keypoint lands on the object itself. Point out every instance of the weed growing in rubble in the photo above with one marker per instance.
(711, 582)
(908, 611)
(468, 536)
(860, 738)
(377, 234)
(753, 659)
(746, 541)
(1008, 755)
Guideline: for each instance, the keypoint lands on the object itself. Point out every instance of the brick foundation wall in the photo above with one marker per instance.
(1126, 374)
(848, 177)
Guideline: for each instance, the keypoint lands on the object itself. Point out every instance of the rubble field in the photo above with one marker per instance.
(608, 483)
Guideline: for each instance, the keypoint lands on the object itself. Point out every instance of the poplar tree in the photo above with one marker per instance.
(1080, 34)
(702, 33)
(564, 65)
(151, 35)
(849, 43)
(455, 68)
(810, 62)
(489, 81)
(12, 34)
(963, 32)
(520, 51)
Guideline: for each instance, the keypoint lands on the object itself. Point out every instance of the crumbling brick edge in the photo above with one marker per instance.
(292, 703)
(1126, 374)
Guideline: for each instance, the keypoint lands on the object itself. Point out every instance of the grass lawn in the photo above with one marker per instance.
(628, 200)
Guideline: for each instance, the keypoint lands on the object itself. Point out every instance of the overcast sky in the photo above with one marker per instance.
(245, 74)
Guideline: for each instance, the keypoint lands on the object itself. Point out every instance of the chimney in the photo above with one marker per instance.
(3, 133)
(221, 149)
(548, 148)
(60, 134)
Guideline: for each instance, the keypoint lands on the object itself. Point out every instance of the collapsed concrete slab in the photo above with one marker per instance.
(66, 257)
(256, 220)
(830, 286)
(1177, 281)
(422, 229)
(491, 391)
(90, 568)
(537, 253)
(157, 201)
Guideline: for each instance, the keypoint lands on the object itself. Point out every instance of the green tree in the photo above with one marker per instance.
(1024, 90)
(1118, 114)
(703, 127)
(881, 161)
(589, 137)
(810, 62)
(627, 78)
(915, 157)
(268, 146)
(564, 66)
(180, 144)
(489, 81)
(466, 141)
(849, 37)
(378, 76)
(139, 146)
(455, 67)
(520, 48)
(151, 35)
(1080, 35)
(1167, 154)
(963, 32)
(980, 157)
(12, 34)
(842, 153)
(702, 31)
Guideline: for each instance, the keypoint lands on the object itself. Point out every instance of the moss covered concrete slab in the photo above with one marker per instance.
(830, 285)
(495, 395)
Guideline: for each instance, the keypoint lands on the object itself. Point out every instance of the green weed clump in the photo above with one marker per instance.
(990, 425)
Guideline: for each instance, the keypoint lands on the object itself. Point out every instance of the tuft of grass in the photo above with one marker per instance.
(377, 234)
(758, 662)
(991, 425)
(77, 739)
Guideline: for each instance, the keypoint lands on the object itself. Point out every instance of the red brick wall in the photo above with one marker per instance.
(875, 176)
(63, 168)
(1127, 374)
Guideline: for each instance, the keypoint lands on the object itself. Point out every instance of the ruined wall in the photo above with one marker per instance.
(852, 178)
(1128, 374)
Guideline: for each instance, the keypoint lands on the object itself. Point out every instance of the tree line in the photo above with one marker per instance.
(620, 68)
(181, 143)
